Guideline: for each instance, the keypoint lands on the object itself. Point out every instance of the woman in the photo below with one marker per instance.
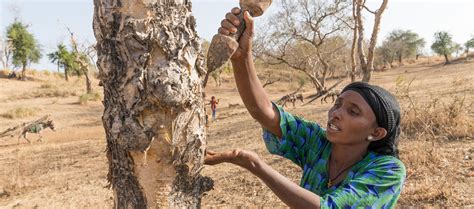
(352, 163)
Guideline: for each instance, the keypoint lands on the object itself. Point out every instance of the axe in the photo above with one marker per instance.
(223, 47)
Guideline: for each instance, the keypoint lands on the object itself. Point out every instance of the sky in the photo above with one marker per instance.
(48, 19)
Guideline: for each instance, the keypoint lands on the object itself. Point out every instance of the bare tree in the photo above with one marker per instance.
(148, 61)
(81, 57)
(5, 52)
(307, 36)
(367, 61)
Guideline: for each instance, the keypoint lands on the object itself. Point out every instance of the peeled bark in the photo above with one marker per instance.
(150, 68)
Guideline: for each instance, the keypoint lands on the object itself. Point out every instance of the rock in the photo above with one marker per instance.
(4, 193)
(467, 157)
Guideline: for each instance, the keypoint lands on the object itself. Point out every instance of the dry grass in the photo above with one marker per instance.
(46, 90)
(432, 174)
(20, 112)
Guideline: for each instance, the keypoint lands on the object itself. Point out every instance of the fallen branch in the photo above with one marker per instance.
(269, 82)
(322, 93)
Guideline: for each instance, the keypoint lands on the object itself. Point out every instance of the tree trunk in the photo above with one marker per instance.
(367, 62)
(58, 67)
(354, 44)
(88, 83)
(148, 60)
(65, 74)
(446, 59)
(373, 41)
(360, 42)
(206, 79)
(23, 72)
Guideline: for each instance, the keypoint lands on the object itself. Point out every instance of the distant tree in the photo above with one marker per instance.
(62, 58)
(81, 60)
(469, 44)
(205, 47)
(457, 48)
(26, 50)
(405, 43)
(443, 45)
(386, 53)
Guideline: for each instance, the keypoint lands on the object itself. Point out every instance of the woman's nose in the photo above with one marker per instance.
(335, 113)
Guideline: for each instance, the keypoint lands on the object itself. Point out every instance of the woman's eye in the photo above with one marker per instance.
(353, 112)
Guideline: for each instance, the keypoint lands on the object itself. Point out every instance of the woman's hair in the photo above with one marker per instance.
(387, 113)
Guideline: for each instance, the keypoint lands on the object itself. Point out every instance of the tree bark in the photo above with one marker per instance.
(148, 60)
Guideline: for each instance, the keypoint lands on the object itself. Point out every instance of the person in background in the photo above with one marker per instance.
(214, 104)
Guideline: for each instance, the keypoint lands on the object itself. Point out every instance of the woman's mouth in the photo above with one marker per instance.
(333, 127)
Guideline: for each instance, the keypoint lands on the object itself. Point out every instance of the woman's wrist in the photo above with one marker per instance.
(242, 60)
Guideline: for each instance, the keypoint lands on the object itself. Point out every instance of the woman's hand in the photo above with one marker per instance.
(242, 158)
(229, 26)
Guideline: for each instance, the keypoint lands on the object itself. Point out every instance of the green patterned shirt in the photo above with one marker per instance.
(374, 182)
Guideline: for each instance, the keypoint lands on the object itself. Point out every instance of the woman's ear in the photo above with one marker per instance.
(378, 133)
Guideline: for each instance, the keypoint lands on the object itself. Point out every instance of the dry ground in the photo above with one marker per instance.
(68, 169)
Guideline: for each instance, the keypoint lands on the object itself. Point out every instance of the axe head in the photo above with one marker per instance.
(221, 49)
(255, 7)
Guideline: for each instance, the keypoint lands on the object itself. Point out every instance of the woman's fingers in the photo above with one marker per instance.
(210, 152)
(235, 10)
(232, 19)
(226, 24)
(213, 158)
(223, 31)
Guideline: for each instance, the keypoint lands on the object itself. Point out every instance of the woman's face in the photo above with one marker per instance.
(350, 120)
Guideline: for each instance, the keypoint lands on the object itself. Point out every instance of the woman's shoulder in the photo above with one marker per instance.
(385, 164)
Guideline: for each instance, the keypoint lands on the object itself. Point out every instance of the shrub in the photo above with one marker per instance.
(47, 85)
(4, 73)
(46, 72)
(83, 99)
